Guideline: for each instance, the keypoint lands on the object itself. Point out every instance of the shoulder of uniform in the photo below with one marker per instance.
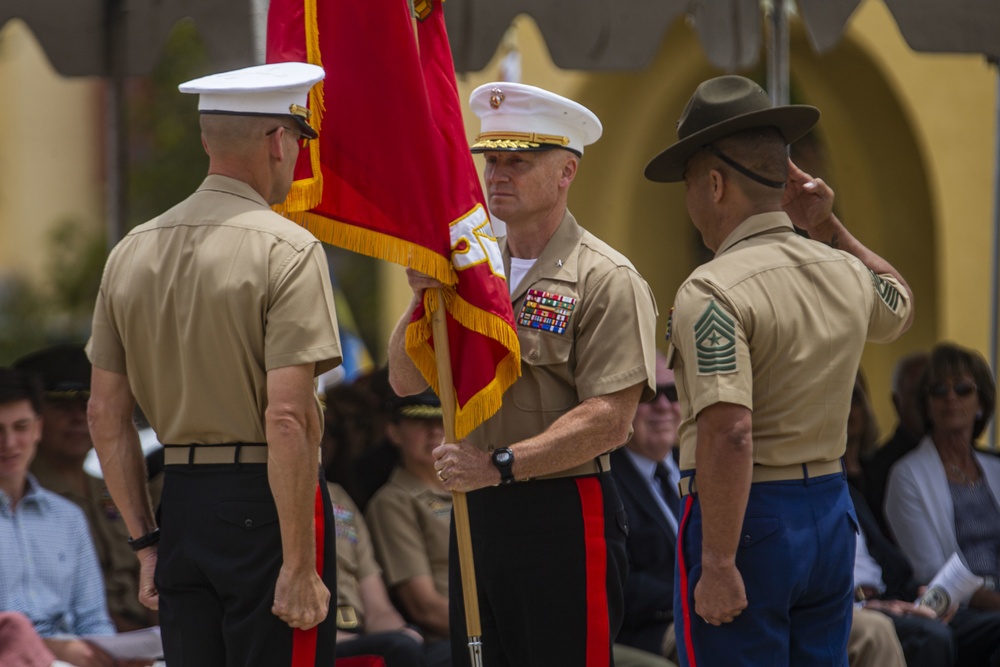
(602, 252)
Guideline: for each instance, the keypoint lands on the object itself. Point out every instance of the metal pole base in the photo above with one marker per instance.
(476, 651)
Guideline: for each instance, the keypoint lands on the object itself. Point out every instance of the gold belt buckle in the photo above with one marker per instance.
(347, 618)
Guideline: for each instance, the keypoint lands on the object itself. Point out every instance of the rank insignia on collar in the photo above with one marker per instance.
(546, 311)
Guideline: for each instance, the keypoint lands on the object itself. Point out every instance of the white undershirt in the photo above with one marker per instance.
(519, 267)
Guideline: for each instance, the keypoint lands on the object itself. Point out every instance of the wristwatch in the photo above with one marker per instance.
(503, 459)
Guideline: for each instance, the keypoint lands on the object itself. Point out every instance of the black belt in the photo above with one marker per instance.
(239, 452)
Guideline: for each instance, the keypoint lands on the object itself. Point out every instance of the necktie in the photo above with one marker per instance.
(669, 490)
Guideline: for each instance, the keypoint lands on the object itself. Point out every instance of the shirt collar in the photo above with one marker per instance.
(33, 495)
(762, 223)
(220, 183)
(558, 260)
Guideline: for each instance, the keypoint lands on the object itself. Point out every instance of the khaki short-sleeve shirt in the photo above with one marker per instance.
(586, 321)
(777, 323)
(198, 304)
(355, 555)
(409, 522)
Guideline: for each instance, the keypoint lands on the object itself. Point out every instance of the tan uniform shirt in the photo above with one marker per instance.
(586, 321)
(409, 523)
(198, 304)
(777, 323)
(119, 565)
(355, 555)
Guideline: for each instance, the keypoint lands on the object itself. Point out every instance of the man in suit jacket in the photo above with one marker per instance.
(651, 506)
(970, 637)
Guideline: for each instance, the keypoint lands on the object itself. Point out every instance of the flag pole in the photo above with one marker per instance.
(460, 508)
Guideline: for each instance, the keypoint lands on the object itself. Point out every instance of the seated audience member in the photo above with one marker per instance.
(409, 517)
(48, 568)
(873, 641)
(64, 372)
(944, 496)
(367, 623)
(884, 582)
(353, 419)
(647, 474)
(909, 431)
(862, 433)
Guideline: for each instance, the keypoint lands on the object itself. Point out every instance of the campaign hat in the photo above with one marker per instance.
(519, 117)
(275, 89)
(720, 107)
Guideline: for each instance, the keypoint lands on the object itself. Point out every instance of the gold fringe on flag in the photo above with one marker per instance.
(306, 193)
(375, 244)
(485, 403)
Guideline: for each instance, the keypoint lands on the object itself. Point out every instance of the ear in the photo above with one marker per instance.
(276, 145)
(204, 145)
(718, 183)
(393, 434)
(569, 168)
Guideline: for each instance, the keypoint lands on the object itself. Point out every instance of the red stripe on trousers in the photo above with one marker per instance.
(685, 605)
(596, 553)
(304, 641)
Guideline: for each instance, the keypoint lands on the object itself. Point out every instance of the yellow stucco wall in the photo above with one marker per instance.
(50, 152)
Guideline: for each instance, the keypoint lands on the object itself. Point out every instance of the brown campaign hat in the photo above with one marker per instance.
(719, 107)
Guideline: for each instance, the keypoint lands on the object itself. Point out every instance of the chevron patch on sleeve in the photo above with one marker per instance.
(715, 341)
(886, 290)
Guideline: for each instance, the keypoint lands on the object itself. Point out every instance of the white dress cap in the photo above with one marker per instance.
(277, 89)
(519, 117)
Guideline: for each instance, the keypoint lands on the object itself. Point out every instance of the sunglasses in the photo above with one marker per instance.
(302, 141)
(668, 390)
(941, 389)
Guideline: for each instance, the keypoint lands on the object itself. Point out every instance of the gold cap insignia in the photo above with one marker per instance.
(496, 98)
(297, 110)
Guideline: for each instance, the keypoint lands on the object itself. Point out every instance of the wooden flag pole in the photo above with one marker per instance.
(460, 508)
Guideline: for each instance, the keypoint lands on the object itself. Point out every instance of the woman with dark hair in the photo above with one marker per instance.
(944, 496)
(862, 432)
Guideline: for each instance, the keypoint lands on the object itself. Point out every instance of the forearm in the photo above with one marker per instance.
(404, 377)
(595, 426)
(292, 471)
(724, 469)
(380, 615)
(116, 440)
(292, 428)
(424, 605)
(833, 233)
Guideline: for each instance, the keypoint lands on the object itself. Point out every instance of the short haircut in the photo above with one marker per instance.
(17, 386)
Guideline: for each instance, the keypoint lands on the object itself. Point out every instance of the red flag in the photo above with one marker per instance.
(391, 176)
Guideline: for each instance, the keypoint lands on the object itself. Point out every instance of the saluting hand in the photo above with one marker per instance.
(301, 599)
(720, 595)
(808, 201)
(462, 467)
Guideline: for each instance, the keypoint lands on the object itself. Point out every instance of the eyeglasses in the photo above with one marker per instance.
(668, 390)
(303, 140)
(941, 389)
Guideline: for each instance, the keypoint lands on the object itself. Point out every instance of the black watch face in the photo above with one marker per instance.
(502, 456)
